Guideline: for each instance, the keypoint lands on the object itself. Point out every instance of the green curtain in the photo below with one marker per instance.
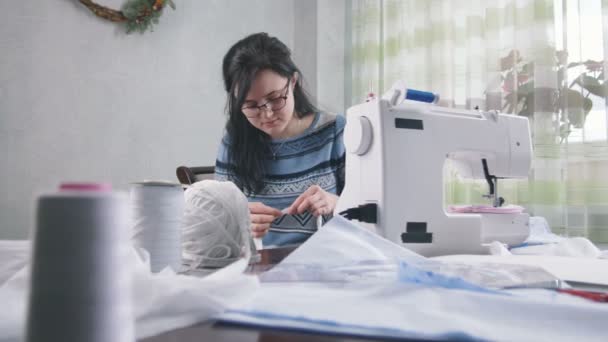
(543, 59)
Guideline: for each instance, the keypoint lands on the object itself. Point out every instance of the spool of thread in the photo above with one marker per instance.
(81, 270)
(399, 93)
(158, 209)
(422, 96)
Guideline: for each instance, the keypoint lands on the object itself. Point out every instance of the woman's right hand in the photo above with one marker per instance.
(261, 217)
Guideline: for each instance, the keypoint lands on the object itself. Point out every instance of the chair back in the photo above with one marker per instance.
(189, 175)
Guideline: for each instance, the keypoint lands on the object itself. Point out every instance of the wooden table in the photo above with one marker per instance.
(223, 332)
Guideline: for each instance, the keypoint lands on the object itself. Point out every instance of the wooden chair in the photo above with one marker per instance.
(189, 175)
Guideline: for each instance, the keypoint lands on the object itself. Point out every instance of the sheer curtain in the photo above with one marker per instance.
(540, 58)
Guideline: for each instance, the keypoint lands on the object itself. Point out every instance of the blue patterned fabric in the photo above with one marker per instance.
(314, 157)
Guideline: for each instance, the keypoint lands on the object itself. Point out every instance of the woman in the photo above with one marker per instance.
(286, 156)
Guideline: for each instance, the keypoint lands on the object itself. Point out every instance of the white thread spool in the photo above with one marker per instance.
(81, 267)
(158, 209)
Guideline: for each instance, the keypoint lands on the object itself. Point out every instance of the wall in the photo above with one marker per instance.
(305, 34)
(333, 59)
(320, 39)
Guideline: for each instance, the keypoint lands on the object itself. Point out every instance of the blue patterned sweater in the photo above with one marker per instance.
(314, 157)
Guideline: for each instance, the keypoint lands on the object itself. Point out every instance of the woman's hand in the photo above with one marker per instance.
(314, 199)
(261, 217)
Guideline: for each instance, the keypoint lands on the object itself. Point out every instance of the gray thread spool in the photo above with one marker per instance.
(80, 283)
(158, 209)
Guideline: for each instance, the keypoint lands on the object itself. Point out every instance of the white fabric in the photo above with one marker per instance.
(163, 301)
(498, 248)
(216, 225)
(373, 301)
(543, 242)
(540, 232)
(578, 270)
(14, 254)
(577, 247)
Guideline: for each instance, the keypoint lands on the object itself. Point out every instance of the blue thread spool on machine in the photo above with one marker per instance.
(399, 93)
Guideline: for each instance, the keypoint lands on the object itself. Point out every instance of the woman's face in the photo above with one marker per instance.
(269, 104)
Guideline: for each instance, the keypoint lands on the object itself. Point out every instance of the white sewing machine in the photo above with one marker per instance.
(395, 161)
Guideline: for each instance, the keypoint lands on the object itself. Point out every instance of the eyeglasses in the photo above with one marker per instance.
(273, 104)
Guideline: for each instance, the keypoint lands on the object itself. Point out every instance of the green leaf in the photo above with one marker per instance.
(592, 85)
(594, 65)
(528, 68)
(587, 105)
(527, 108)
(574, 99)
(526, 88)
(577, 108)
(574, 64)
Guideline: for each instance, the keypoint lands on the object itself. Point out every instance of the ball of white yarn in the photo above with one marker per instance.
(216, 225)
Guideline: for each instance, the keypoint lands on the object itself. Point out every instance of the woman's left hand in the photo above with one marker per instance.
(314, 199)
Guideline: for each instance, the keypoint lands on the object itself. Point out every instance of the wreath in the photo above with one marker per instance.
(138, 15)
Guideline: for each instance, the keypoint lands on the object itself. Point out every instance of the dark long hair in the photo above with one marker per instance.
(248, 145)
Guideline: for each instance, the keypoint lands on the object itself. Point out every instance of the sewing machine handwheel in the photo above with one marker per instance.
(358, 135)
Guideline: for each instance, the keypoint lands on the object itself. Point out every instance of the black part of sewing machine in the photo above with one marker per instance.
(409, 123)
(492, 183)
(367, 212)
(416, 233)
(489, 178)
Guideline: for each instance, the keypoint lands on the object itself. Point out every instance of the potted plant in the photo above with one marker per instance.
(571, 100)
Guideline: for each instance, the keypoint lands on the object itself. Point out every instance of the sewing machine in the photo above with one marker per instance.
(396, 151)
